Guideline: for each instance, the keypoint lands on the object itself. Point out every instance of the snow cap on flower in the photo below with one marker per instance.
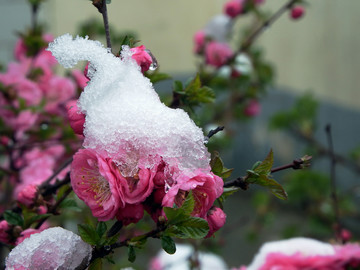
(303, 246)
(219, 28)
(142, 57)
(124, 112)
(54, 248)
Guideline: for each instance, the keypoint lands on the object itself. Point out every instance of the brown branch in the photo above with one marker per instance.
(102, 8)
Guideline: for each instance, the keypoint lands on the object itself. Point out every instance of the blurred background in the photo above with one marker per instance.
(317, 54)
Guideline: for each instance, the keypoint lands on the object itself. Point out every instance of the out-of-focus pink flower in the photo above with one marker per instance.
(58, 91)
(76, 118)
(42, 209)
(27, 195)
(253, 108)
(216, 219)
(80, 79)
(21, 122)
(258, 2)
(206, 187)
(131, 213)
(4, 235)
(94, 181)
(297, 12)
(345, 235)
(233, 8)
(26, 233)
(199, 41)
(217, 54)
(20, 50)
(142, 58)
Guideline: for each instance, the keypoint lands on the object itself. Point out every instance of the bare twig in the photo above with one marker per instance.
(214, 131)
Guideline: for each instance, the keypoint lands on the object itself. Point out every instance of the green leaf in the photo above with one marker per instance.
(272, 185)
(88, 234)
(69, 204)
(168, 244)
(192, 227)
(217, 165)
(264, 168)
(157, 77)
(227, 192)
(96, 264)
(178, 87)
(188, 205)
(13, 218)
(226, 173)
(131, 254)
(174, 215)
(101, 228)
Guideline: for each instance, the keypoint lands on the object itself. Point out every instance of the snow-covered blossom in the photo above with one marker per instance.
(54, 248)
(142, 57)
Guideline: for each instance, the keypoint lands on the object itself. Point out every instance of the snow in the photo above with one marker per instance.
(54, 248)
(125, 118)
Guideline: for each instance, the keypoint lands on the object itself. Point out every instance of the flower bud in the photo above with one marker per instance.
(297, 12)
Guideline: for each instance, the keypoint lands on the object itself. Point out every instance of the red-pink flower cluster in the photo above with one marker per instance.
(32, 99)
(111, 192)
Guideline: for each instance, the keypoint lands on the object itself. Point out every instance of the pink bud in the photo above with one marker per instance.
(76, 118)
(216, 219)
(253, 108)
(27, 195)
(199, 40)
(233, 8)
(345, 235)
(217, 54)
(142, 58)
(4, 229)
(297, 12)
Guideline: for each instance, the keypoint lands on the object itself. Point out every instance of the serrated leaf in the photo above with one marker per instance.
(13, 218)
(168, 244)
(131, 254)
(227, 192)
(226, 173)
(101, 228)
(174, 215)
(157, 77)
(217, 165)
(188, 205)
(265, 166)
(193, 227)
(178, 87)
(88, 234)
(68, 203)
(96, 264)
(272, 185)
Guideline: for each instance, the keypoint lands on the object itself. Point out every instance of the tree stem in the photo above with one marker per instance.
(106, 24)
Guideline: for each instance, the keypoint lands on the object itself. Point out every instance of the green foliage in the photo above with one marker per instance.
(88, 234)
(157, 76)
(227, 192)
(301, 117)
(181, 224)
(13, 218)
(168, 244)
(217, 166)
(260, 175)
(96, 264)
(193, 94)
(131, 254)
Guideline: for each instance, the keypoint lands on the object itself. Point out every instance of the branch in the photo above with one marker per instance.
(214, 131)
(250, 40)
(297, 164)
(334, 197)
(102, 8)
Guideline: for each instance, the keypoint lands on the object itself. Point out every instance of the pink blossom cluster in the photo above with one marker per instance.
(33, 109)
(303, 253)
(111, 192)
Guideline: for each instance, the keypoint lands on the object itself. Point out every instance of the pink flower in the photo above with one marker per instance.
(233, 8)
(216, 219)
(20, 49)
(142, 58)
(217, 54)
(135, 189)
(27, 195)
(76, 118)
(94, 181)
(26, 233)
(253, 108)
(131, 213)
(80, 79)
(20, 123)
(58, 91)
(297, 12)
(4, 232)
(206, 187)
(258, 2)
(199, 40)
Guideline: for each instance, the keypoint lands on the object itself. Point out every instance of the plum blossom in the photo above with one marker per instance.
(217, 54)
(4, 232)
(216, 219)
(199, 41)
(27, 195)
(76, 118)
(305, 253)
(131, 213)
(253, 108)
(94, 181)
(233, 8)
(142, 57)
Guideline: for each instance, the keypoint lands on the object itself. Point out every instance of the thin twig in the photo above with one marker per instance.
(250, 40)
(63, 166)
(333, 182)
(214, 131)
(106, 24)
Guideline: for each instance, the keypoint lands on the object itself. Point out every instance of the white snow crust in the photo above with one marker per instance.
(125, 118)
(54, 248)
